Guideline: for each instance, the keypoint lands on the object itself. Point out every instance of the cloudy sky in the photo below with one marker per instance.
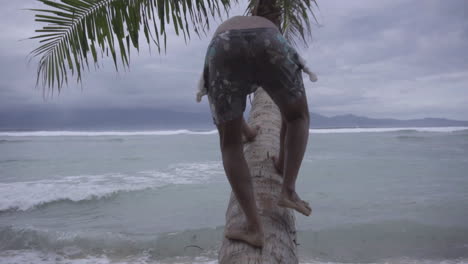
(388, 58)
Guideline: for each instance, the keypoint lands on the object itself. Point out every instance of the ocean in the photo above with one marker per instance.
(378, 196)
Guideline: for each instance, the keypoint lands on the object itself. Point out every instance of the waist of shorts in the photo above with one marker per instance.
(246, 31)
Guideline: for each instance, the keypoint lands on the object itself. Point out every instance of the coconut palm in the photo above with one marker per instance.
(78, 33)
(81, 32)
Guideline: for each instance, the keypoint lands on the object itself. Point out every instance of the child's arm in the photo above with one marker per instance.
(305, 68)
(201, 89)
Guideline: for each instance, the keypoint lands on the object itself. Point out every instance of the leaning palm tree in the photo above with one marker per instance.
(81, 32)
(78, 33)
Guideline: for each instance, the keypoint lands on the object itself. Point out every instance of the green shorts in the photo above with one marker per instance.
(238, 61)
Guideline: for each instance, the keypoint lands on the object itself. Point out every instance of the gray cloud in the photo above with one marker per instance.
(388, 58)
(399, 59)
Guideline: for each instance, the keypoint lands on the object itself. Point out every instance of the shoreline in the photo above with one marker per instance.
(60, 133)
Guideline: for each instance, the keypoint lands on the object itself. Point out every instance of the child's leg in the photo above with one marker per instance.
(239, 177)
(230, 74)
(295, 142)
(279, 73)
(294, 136)
(278, 161)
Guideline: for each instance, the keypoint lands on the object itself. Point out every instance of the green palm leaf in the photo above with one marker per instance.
(78, 31)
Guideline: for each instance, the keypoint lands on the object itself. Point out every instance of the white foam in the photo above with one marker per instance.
(211, 132)
(397, 261)
(38, 257)
(104, 133)
(27, 195)
(390, 129)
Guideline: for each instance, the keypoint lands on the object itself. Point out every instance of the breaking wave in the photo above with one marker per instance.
(105, 133)
(392, 129)
(211, 132)
(30, 194)
(377, 242)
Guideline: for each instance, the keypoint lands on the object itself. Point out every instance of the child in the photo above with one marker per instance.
(247, 52)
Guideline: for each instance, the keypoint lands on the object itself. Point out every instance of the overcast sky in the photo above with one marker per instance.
(387, 58)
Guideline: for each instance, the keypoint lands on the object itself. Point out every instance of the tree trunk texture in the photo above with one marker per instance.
(279, 223)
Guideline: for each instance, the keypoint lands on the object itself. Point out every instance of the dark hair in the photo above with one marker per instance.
(268, 9)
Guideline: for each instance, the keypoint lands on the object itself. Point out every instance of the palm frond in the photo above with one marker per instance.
(77, 31)
(296, 17)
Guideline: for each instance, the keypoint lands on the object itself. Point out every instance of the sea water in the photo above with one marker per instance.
(378, 196)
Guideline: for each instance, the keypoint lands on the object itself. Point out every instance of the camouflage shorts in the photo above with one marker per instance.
(238, 61)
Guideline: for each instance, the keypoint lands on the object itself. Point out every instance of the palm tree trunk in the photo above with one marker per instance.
(279, 223)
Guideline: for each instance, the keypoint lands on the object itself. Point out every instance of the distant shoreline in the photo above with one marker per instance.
(91, 133)
(130, 120)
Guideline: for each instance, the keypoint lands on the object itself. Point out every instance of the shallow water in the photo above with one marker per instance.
(378, 195)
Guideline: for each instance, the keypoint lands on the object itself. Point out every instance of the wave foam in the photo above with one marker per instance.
(26, 195)
(211, 132)
(38, 257)
(410, 243)
(398, 261)
(390, 129)
(104, 133)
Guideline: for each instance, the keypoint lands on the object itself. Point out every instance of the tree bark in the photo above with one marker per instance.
(279, 223)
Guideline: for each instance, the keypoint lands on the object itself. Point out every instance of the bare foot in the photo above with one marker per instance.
(278, 165)
(294, 202)
(254, 239)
